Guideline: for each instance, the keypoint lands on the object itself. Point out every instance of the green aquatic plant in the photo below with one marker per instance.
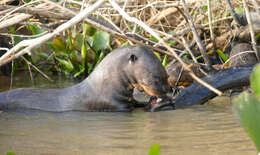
(79, 54)
(154, 150)
(247, 108)
(75, 53)
(10, 153)
(223, 56)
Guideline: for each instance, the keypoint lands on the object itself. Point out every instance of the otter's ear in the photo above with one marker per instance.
(132, 58)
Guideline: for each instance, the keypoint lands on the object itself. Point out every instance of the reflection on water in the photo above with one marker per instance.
(199, 130)
(22, 79)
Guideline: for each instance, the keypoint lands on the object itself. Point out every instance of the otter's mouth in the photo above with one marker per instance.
(159, 101)
(160, 104)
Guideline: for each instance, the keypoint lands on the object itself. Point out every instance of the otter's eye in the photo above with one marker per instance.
(132, 58)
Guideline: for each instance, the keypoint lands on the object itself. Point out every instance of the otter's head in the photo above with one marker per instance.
(145, 71)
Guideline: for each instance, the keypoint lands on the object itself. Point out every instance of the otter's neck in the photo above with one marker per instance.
(100, 90)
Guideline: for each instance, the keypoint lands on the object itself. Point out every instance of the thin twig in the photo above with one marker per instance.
(196, 36)
(12, 75)
(30, 64)
(212, 35)
(251, 29)
(179, 77)
(24, 36)
(29, 68)
(240, 53)
(188, 49)
(82, 5)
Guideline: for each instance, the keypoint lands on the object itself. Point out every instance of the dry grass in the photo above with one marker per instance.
(193, 27)
(167, 18)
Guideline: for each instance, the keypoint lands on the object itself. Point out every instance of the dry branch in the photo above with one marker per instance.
(196, 36)
(251, 29)
(26, 46)
(14, 20)
(47, 13)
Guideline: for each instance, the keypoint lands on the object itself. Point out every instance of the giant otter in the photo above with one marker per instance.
(108, 88)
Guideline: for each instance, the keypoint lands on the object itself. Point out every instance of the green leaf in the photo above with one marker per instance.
(50, 44)
(82, 70)
(152, 38)
(90, 40)
(10, 153)
(84, 54)
(34, 29)
(172, 42)
(90, 68)
(185, 57)
(257, 36)
(84, 32)
(68, 66)
(12, 30)
(59, 45)
(157, 55)
(101, 40)
(91, 53)
(16, 38)
(255, 81)
(137, 29)
(239, 10)
(101, 57)
(70, 42)
(247, 109)
(205, 8)
(164, 63)
(171, 32)
(89, 30)
(43, 55)
(74, 58)
(200, 56)
(125, 44)
(223, 56)
(154, 150)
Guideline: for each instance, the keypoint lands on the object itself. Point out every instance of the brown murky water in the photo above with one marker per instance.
(198, 130)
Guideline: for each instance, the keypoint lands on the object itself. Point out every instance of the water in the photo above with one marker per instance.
(198, 130)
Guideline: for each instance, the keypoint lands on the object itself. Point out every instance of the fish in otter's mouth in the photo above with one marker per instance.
(162, 103)
(159, 101)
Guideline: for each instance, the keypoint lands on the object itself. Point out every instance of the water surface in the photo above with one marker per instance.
(198, 130)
